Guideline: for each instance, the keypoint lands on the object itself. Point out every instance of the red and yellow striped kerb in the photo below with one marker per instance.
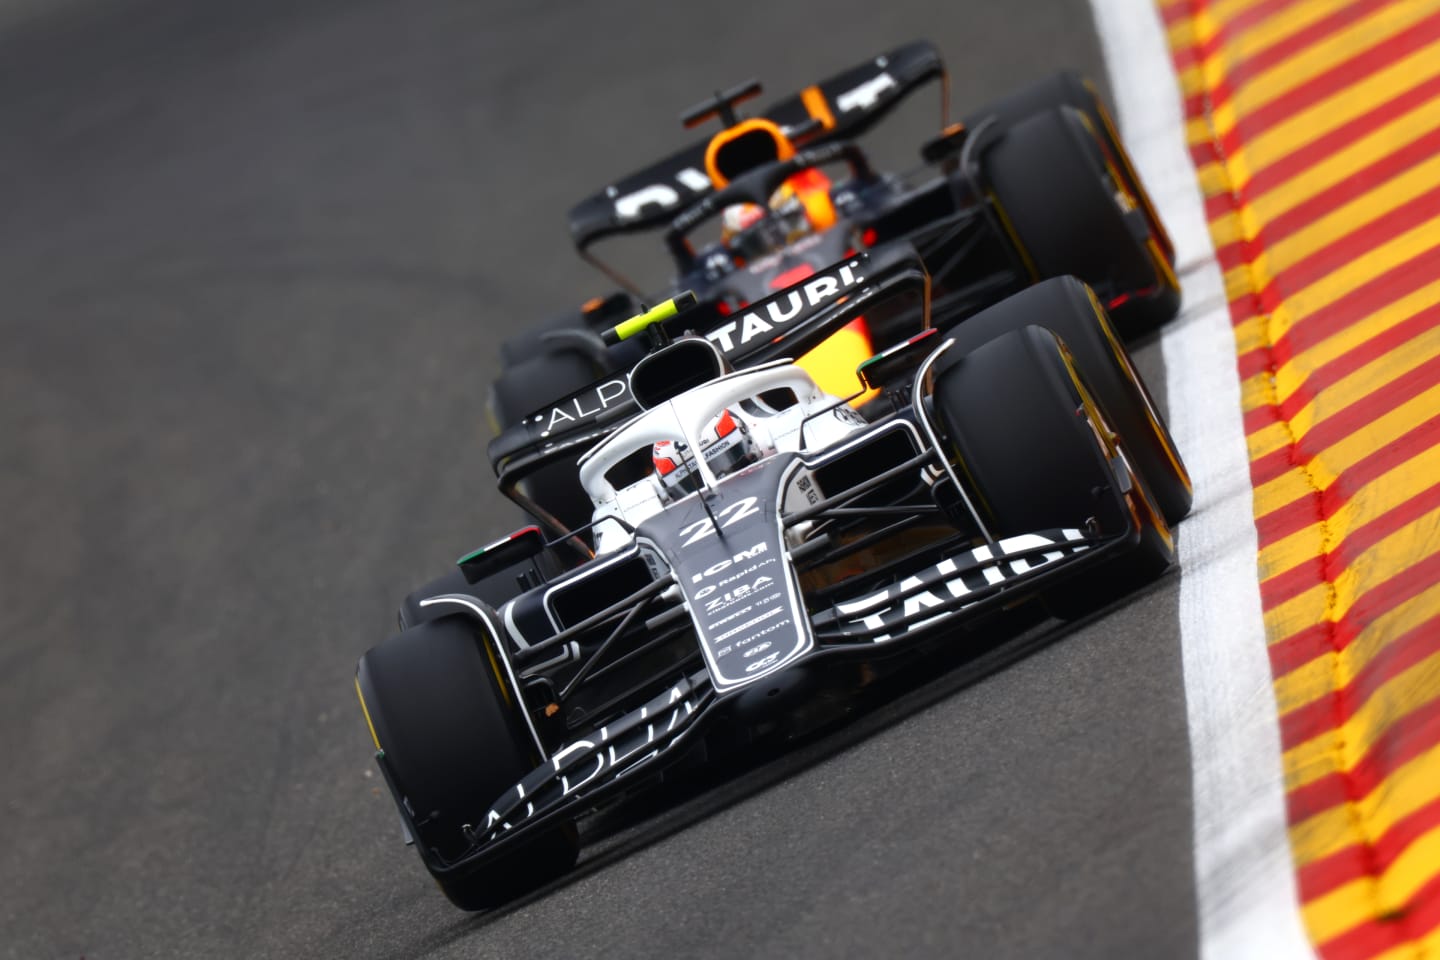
(1315, 128)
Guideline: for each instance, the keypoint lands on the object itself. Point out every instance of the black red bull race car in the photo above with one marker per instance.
(1034, 186)
(752, 539)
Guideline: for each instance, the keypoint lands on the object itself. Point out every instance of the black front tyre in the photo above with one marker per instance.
(1009, 407)
(1066, 307)
(453, 736)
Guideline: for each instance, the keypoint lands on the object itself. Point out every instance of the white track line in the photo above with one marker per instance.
(1244, 874)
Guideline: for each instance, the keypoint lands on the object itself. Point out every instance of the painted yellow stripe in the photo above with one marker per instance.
(1384, 429)
(1348, 161)
(1340, 110)
(1409, 788)
(1341, 281)
(1259, 38)
(1202, 25)
(1385, 198)
(366, 710)
(1364, 899)
(1427, 946)
(1267, 440)
(1333, 600)
(1292, 374)
(1337, 398)
(1412, 477)
(1305, 65)
(1325, 674)
(1342, 748)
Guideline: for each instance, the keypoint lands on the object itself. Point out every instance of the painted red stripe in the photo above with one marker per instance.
(1367, 859)
(1292, 165)
(1346, 191)
(1326, 637)
(1330, 711)
(1173, 13)
(1333, 81)
(1414, 920)
(1292, 517)
(1312, 330)
(1406, 738)
(1331, 372)
(1290, 583)
(1327, 375)
(1239, 70)
(1346, 247)
(1274, 464)
(1357, 415)
(1328, 201)
(1397, 282)
(1305, 510)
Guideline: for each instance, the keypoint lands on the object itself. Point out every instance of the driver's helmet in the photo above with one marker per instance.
(725, 444)
(800, 206)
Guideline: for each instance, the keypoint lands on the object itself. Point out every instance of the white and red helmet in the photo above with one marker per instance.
(725, 443)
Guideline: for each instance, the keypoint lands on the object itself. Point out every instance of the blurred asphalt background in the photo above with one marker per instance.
(254, 258)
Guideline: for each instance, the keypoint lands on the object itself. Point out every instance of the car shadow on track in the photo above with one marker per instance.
(951, 664)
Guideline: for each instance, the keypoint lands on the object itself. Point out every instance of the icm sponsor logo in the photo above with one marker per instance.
(721, 566)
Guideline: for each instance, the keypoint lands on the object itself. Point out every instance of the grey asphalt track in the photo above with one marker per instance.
(254, 258)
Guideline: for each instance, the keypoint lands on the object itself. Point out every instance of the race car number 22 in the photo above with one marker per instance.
(730, 515)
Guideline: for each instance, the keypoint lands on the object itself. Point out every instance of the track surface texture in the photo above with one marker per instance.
(255, 258)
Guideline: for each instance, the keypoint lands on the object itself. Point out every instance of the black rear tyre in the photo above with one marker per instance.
(454, 740)
(530, 386)
(1064, 205)
(1069, 89)
(1067, 308)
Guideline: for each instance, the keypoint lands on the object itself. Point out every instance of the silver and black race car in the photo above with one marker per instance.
(752, 540)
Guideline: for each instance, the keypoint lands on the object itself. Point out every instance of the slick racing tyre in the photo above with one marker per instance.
(1069, 89)
(1067, 307)
(1009, 408)
(527, 387)
(454, 740)
(1070, 215)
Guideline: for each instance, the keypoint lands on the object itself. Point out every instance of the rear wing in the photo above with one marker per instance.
(842, 107)
(789, 323)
